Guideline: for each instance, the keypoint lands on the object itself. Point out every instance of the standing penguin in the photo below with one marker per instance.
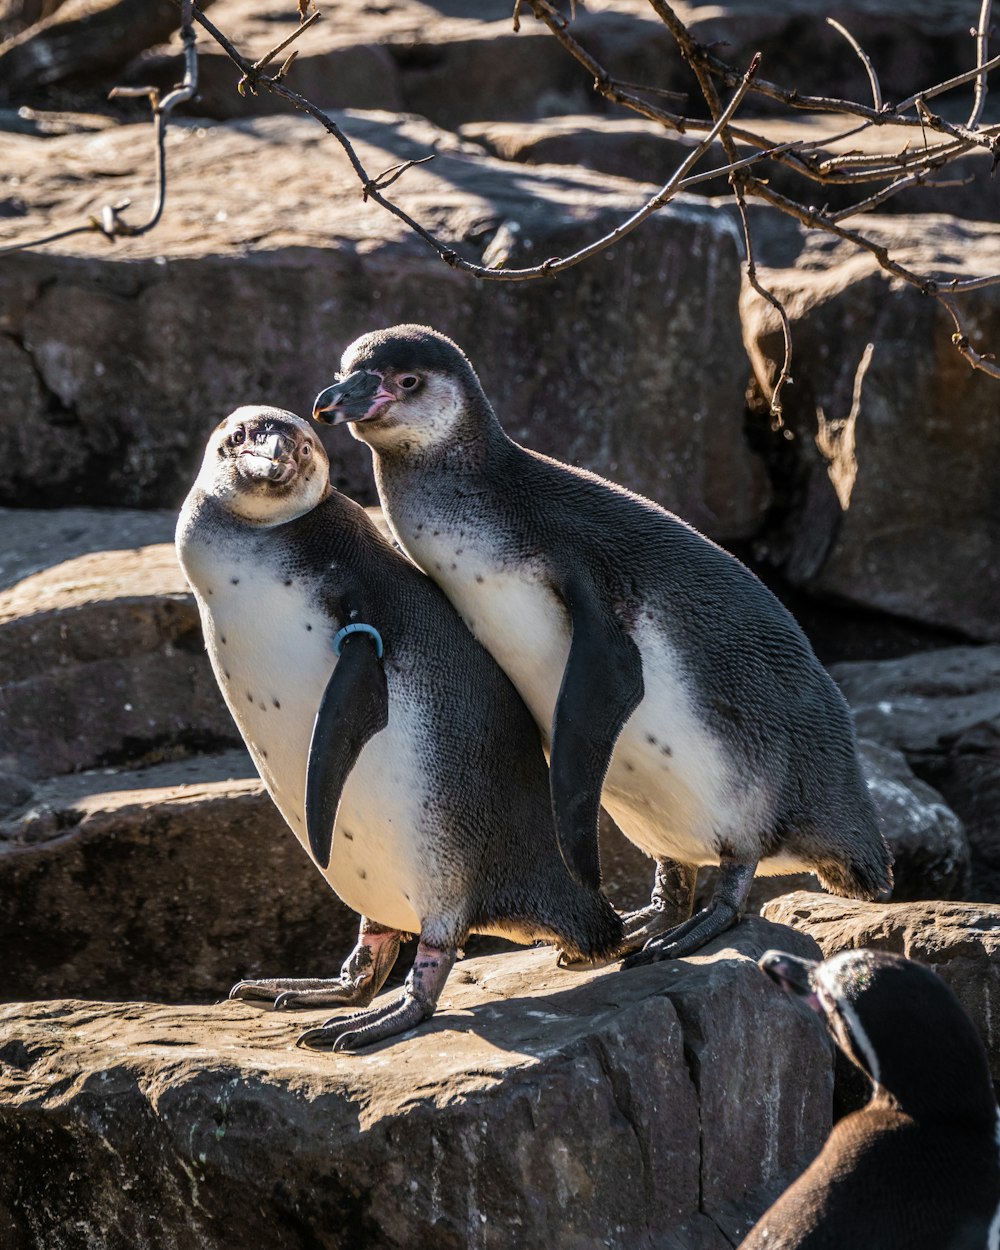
(422, 791)
(919, 1167)
(656, 665)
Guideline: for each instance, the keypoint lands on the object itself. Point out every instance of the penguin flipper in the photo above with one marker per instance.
(601, 687)
(354, 707)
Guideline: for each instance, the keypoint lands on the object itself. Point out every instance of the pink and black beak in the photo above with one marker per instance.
(794, 975)
(358, 397)
(267, 455)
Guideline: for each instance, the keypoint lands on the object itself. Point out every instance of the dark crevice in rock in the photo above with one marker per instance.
(134, 753)
(621, 1096)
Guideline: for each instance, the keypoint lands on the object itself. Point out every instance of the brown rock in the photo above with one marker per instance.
(596, 366)
(960, 941)
(539, 1107)
(630, 147)
(171, 882)
(84, 40)
(889, 503)
(32, 539)
(103, 663)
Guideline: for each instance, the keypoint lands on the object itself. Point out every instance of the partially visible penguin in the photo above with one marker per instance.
(919, 1167)
(422, 792)
(657, 666)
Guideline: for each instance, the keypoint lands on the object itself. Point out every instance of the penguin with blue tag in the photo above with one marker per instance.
(667, 681)
(395, 748)
(917, 1168)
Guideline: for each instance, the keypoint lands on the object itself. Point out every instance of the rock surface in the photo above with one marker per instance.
(894, 505)
(167, 883)
(540, 1108)
(960, 941)
(942, 710)
(596, 368)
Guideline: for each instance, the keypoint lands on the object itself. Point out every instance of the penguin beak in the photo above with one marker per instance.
(358, 397)
(794, 975)
(267, 457)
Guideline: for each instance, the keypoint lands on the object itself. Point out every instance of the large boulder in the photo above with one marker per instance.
(103, 664)
(166, 883)
(887, 491)
(942, 710)
(540, 1107)
(631, 147)
(109, 350)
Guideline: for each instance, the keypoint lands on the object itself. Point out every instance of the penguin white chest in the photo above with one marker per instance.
(514, 613)
(271, 649)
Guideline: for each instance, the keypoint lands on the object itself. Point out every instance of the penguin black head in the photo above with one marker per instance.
(901, 1024)
(265, 465)
(407, 388)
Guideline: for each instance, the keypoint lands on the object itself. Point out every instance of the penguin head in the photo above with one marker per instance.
(265, 466)
(901, 1024)
(406, 390)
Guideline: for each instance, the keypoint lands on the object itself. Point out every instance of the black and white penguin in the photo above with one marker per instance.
(657, 666)
(919, 1167)
(422, 792)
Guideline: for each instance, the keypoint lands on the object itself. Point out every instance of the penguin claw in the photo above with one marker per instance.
(687, 938)
(370, 1026)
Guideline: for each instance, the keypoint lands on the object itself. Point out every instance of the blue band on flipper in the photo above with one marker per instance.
(341, 634)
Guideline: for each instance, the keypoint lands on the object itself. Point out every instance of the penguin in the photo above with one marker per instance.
(395, 748)
(666, 680)
(918, 1168)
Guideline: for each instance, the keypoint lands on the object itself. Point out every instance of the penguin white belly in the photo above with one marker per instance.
(669, 787)
(271, 649)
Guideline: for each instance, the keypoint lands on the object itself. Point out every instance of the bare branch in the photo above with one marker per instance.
(249, 78)
(984, 363)
(864, 59)
(982, 42)
(111, 224)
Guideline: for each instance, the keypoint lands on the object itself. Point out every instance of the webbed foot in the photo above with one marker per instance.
(416, 1004)
(724, 911)
(362, 976)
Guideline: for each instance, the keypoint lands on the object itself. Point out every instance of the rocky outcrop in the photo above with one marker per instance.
(594, 367)
(942, 710)
(960, 941)
(893, 506)
(539, 1107)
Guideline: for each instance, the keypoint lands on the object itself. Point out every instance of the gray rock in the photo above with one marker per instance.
(930, 702)
(539, 1107)
(889, 503)
(171, 882)
(942, 709)
(960, 941)
(596, 366)
(102, 663)
(33, 539)
(927, 840)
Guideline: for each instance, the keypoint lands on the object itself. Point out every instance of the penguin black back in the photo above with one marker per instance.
(919, 1167)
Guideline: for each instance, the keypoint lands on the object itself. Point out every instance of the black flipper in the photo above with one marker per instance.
(601, 688)
(355, 707)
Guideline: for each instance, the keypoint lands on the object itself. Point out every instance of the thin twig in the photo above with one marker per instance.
(984, 363)
(249, 78)
(110, 223)
(982, 43)
(865, 60)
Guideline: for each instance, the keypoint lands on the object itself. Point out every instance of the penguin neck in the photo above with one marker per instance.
(473, 451)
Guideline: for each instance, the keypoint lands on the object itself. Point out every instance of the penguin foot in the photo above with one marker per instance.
(671, 904)
(724, 911)
(362, 976)
(686, 938)
(418, 1002)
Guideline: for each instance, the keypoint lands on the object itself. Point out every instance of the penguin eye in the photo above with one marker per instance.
(306, 451)
(409, 381)
(239, 436)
